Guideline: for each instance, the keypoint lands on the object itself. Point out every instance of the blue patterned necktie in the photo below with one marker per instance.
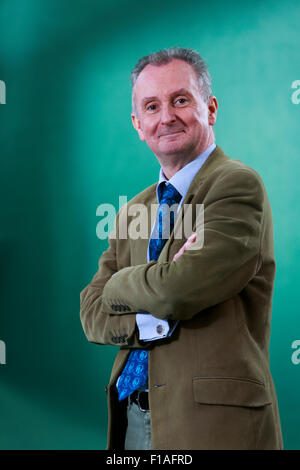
(135, 372)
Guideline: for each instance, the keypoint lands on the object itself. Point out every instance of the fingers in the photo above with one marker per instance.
(189, 241)
(179, 253)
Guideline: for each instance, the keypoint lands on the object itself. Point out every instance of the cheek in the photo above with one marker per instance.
(191, 117)
(149, 128)
(198, 122)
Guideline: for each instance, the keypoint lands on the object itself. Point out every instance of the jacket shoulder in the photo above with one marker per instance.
(238, 170)
(144, 197)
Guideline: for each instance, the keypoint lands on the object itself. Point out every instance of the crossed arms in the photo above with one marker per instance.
(234, 208)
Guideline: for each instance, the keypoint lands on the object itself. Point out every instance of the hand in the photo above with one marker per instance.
(189, 241)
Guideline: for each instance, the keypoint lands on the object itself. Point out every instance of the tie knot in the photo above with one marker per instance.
(169, 194)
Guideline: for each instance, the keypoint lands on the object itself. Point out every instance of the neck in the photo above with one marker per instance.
(169, 168)
(171, 164)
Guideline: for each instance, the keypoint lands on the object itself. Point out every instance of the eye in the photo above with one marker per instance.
(151, 107)
(180, 101)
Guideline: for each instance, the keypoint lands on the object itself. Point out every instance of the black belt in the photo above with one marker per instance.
(141, 399)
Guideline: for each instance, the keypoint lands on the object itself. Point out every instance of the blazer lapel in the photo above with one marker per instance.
(216, 158)
(139, 246)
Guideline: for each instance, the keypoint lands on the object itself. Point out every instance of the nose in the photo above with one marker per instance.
(167, 114)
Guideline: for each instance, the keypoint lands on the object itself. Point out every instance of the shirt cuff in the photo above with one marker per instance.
(151, 328)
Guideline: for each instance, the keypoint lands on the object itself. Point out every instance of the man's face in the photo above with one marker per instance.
(172, 116)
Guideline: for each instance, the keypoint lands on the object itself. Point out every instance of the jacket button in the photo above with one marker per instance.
(160, 329)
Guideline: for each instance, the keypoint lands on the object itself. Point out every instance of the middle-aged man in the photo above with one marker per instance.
(191, 315)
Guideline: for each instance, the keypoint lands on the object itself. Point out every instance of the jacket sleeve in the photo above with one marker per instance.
(200, 278)
(100, 324)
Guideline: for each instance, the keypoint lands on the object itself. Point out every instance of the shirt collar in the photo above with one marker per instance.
(183, 178)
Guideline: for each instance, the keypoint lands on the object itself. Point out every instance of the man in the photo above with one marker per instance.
(192, 314)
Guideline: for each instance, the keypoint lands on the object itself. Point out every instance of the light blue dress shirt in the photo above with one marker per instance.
(151, 328)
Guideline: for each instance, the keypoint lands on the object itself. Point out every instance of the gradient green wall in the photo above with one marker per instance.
(67, 145)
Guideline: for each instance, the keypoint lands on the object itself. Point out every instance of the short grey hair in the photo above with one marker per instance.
(165, 56)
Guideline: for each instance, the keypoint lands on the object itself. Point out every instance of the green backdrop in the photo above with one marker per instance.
(67, 146)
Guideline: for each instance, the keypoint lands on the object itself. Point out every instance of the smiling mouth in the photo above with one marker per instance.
(171, 133)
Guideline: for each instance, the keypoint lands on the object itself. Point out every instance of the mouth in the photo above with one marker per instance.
(171, 134)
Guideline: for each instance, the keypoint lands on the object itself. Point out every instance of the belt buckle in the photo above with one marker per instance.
(138, 400)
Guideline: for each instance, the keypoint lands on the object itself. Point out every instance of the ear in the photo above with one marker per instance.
(212, 110)
(137, 125)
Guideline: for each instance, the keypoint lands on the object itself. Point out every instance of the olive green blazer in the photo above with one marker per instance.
(210, 385)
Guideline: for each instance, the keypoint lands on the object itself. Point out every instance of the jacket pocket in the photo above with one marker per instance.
(232, 391)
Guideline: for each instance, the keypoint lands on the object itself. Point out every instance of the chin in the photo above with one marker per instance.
(171, 149)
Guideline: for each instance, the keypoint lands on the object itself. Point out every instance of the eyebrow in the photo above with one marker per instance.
(181, 91)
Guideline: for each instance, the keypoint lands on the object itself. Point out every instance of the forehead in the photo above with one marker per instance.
(160, 80)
